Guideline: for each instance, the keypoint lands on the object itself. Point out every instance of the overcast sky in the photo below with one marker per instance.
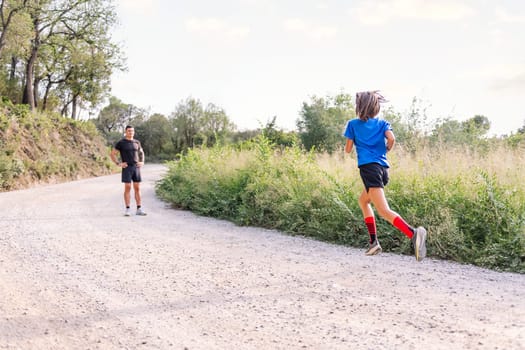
(262, 58)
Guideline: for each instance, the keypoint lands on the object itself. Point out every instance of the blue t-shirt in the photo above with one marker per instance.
(369, 140)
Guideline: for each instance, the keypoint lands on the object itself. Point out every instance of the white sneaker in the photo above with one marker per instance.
(419, 240)
(374, 248)
(140, 212)
(127, 212)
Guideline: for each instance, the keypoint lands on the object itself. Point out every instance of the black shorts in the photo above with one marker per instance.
(131, 173)
(373, 175)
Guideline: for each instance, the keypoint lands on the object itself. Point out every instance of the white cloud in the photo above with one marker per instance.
(217, 29)
(499, 77)
(374, 12)
(317, 32)
(322, 5)
(503, 16)
(491, 71)
(512, 83)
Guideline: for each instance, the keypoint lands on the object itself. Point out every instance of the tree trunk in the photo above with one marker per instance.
(74, 107)
(29, 93)
(46, 94)
(63, 112)
(35, 91)
(12, 71)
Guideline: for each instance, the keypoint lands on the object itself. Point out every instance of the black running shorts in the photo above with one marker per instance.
(131, 173)
(373, 175)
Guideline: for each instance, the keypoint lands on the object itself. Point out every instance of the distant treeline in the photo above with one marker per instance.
(320, 125)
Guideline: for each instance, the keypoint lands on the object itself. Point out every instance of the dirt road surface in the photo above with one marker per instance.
(76, 274)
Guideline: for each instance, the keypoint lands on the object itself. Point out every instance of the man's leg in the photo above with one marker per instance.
(127, 194)
(127, 198)
(136, 189)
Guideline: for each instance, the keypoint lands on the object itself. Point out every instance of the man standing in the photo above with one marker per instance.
(131, 160)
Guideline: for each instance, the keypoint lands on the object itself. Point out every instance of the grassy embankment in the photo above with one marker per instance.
(473, 204)
(47, 148)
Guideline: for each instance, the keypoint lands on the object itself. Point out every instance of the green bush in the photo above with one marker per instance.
(10, 168)
(471, 217)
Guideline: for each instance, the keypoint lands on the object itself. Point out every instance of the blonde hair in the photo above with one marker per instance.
(367, 104)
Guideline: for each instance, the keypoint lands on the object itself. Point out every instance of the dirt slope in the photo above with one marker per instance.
(76, 274)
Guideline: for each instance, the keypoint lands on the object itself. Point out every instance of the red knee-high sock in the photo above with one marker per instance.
(402, 226)
(371, 226)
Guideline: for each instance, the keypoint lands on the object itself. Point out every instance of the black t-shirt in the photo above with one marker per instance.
(130, 151)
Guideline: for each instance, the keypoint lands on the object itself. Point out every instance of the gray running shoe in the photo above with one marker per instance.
(419, 241)
(127, 212)
(141, 212)
(374, 248)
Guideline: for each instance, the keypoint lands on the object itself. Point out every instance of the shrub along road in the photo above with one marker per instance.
(76, 274)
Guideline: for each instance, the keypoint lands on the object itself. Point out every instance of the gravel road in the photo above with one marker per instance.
(76, 274)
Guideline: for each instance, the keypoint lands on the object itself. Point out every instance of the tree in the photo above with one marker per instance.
(73, 34)
(155, 135)
(453, 132)
(516, 139)
(278, 136)
(447, 131)
(476, 127)
(193, 125)
(15, 36)
(185, 123)
(113, 118)
(86, 78)
(399, 126)
(9, 11)
(322, 122)
(215, 125)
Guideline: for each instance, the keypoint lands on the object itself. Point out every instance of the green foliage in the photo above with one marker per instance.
(45, 147)
(10, 168)
(114, 117)
(517, 139)
(472, 218)
(193, 125)
(238, 137)
(467, 133)
(322, 121)
(190, 125)
(277, 136)
(156, 136)
(58, 55)
(410, 128)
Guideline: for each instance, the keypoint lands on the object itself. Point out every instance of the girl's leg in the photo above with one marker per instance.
(368, 214)
(418, 236)
(378, 199)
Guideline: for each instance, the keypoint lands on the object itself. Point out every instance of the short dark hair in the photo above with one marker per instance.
(129, 127)
(367, 104)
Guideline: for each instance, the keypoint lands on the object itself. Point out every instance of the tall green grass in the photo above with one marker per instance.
(472, 204)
